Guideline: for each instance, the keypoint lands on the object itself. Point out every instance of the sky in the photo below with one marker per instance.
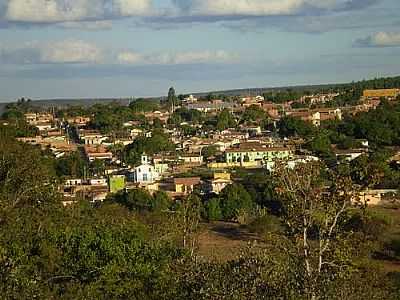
(136, 48)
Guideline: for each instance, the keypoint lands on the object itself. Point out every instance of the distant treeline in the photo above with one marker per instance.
(281, 93)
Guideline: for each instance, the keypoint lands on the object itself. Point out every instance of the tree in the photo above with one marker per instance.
(225, 120)
(213, 210)
(27, 176)
(158, 142)
(253, 113)
(137, 199)
(321, 146)
(161, 201)
(289, 126)
(71, 165)
(314, 209)
(188, 214)
(172, 100)
(209, 151)
(233, 199)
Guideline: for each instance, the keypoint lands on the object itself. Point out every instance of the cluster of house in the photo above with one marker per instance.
(319, 98)
(246, 147)
(50, 134)
(149, 175)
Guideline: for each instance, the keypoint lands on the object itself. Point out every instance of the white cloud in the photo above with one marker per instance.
(129, 57)
(88, 25)
(132, 7)
(380, 39)
(201, 57)
(50, 11)
(261, 7)
(60, 52)
(71, 51)
(180, 58)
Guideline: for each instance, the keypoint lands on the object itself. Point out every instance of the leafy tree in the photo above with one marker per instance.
(233, 199)
(253, 114)
(71, 165)
(209, 151)
(213, 210)
(143, 105)
(27, 176)
(289, 126)
(158, 142)
(137, 199)
(161, 201)
(225, 120)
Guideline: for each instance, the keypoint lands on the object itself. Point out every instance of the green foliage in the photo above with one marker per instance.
(295, 127)
(141, 200)
(27, 176)
(284, 96)
(233, 199)
(158, 142)
(172, 100)
(225, 120)
(143, 105)
(81, 253)
(209, 151)
(71, 165)
(253, 114)
(161, 201)
(266, 224)
(187, 115)
(137, 199)
(321, 146)
(109, 118)
(381, 127)
(213, 210)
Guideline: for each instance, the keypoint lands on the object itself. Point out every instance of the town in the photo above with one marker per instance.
(185, 143)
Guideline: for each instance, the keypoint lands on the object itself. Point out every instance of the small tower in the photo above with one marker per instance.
(144, 159)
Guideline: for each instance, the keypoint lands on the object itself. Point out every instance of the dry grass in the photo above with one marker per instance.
(221, 241)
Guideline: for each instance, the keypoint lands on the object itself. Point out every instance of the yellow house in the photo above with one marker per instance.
(385, 93)
(186, 185)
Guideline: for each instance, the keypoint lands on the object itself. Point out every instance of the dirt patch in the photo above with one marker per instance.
(221, 241)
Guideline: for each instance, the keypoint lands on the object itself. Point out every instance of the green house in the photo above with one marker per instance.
(240, 155)
(116, 183)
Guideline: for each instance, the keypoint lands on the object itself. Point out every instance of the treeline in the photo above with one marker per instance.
(350, 93)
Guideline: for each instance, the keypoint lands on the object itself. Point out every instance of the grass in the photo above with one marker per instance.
(390, 258)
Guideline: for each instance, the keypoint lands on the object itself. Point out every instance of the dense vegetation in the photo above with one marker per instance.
(139, 246)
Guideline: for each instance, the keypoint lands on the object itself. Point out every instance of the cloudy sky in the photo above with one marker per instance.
(119, 48)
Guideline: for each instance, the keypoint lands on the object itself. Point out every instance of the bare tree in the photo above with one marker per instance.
(189, 218)
(314, 206)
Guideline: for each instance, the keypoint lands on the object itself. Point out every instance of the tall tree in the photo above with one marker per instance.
(172, 99)
(314, 209)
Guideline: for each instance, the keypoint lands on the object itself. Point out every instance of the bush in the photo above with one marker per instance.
(234, 199)
(266, 224)
(213, 210)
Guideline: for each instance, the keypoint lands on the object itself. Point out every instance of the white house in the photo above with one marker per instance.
(145, 173)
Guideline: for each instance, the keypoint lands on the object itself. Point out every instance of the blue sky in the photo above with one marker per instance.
(120, 48)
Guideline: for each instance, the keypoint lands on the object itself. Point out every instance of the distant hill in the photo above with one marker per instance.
(63, 103)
